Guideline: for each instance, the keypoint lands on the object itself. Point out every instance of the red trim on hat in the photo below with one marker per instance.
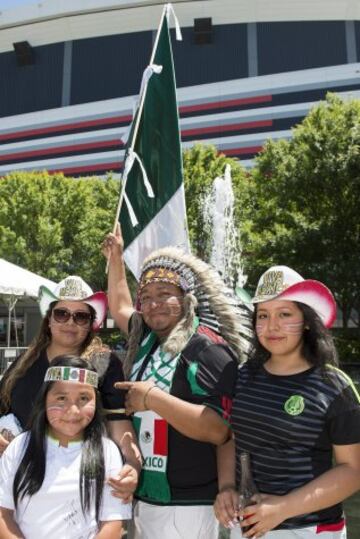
(99, 303)
(322, 300)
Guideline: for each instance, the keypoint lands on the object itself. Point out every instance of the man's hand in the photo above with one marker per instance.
(125, 483)
(113, 244)
(136, 396)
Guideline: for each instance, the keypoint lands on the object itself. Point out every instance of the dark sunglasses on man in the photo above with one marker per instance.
(81, 318)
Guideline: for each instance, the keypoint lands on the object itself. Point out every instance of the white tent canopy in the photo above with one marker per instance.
(19, 282)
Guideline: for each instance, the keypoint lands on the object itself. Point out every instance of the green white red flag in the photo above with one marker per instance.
(152, 208)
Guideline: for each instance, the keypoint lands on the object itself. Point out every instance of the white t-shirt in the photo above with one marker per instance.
(55, 510)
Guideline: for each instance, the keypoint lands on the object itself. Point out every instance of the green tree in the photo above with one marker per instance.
(304, 202)
(54, 225)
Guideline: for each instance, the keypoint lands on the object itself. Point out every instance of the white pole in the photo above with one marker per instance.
(11, 302)
(9, 327)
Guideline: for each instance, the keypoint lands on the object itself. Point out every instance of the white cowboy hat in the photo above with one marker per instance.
(284, 283)
(74, 288)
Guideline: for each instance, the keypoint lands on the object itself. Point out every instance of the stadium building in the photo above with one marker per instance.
(246, 70)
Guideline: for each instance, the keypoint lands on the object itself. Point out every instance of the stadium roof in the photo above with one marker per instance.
(52, 21)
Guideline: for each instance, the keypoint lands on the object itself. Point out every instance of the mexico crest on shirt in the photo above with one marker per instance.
(153, 440)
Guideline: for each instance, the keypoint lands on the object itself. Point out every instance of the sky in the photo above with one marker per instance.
(8, 4)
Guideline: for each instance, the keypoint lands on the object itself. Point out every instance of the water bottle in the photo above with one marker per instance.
(248, 492)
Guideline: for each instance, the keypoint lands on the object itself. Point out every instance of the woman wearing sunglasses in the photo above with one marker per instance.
(71, 315)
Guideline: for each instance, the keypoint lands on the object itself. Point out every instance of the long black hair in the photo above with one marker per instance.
(31, 471)
(318, 346)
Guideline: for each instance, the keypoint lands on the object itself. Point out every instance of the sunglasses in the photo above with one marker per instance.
(81, 318)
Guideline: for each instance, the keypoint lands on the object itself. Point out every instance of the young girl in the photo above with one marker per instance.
(53, 477)
(294, 411)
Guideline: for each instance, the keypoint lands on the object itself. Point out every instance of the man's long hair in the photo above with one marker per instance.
(32, 469)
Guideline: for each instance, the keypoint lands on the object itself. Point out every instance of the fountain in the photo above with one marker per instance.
(218, 212)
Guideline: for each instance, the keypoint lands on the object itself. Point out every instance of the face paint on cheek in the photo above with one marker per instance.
(174, 310)
(58, 407)
(259, 329)
(54, 413)
(88, 411)
(294, 328)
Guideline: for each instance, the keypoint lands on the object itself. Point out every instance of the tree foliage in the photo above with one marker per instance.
(54, 225)
(305, 196)
(299, 206)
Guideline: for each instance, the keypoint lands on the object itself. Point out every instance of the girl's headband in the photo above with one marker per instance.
(71, 374)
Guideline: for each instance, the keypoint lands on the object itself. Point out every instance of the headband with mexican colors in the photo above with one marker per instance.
(71, 374)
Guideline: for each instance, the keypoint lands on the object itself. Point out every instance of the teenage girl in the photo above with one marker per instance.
(296, 414)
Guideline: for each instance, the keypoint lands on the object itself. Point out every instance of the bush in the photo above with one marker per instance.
(348, 344)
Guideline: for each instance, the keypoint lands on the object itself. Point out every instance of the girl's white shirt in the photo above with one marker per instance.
(55, 510)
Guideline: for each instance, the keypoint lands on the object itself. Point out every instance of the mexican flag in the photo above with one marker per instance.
(152, 434)
(153, 214)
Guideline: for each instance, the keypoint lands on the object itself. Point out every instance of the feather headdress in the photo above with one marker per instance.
(206, 296)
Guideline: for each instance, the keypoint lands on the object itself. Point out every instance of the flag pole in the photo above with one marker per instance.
(136, 128)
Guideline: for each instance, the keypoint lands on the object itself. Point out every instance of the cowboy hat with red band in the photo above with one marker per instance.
(74, 288)
(284, 283)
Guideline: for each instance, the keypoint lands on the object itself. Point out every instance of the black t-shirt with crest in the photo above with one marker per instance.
(205, 374)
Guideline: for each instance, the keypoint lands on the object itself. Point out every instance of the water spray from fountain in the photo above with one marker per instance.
(218, 214)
